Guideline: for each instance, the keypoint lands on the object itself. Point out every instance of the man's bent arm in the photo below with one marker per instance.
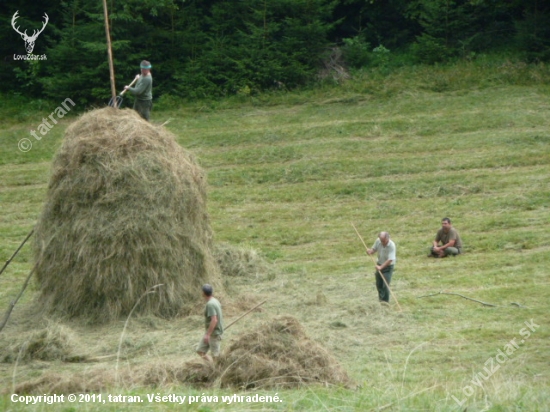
(450, 244)
(139, 89)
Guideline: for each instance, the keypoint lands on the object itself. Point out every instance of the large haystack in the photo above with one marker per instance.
(125, 210)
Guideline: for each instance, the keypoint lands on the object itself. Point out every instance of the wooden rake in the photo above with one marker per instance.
(379, 272)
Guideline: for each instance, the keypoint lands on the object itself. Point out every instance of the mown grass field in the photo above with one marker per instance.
(288, 175)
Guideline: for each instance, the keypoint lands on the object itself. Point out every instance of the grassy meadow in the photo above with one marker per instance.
(288, 174)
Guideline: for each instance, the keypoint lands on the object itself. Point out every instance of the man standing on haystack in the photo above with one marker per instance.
(386, 261)
(143, 91)
(213, 323)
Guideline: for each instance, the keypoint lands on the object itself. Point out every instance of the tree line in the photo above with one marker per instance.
(206, 48)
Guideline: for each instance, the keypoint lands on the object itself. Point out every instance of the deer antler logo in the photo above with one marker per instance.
(29, 40)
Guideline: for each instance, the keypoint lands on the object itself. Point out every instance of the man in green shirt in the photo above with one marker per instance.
(386, 262)
(143, 91)
(213, 319)
(451, 244)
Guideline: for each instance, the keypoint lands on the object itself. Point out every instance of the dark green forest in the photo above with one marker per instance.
(212, 48)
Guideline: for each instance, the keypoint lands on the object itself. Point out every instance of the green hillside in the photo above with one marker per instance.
(288, 175)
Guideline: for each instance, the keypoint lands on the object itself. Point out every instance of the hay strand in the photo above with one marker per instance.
(14, 374)
(147, 292)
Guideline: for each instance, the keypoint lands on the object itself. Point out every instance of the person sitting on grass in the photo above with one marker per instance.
(451, 245)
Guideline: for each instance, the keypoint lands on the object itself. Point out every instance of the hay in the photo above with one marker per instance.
(278, 354)
(239, 304)
(55, 342)
(125, 210)
(237, 261)
(65, 383)
(197, 372)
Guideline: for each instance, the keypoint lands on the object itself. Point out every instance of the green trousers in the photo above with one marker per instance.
(383, 291)
(450, 251)
(143, 107)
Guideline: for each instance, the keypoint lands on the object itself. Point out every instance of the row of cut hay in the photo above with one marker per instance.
(278, 354)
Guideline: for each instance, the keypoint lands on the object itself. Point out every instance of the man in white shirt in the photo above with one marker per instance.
(386, 262)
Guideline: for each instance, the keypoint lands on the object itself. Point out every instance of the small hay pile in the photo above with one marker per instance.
(236, 261)
(55, 342)
(170, 373)
(278, 354)
(125, 210)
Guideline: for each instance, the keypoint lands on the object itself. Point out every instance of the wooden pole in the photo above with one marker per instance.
(14, 302)
(243, 315)
(17, 251)
(109, 51)
(462, 296)
(379, 272)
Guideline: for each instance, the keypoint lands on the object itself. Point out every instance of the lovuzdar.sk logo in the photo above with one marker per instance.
(29, 40)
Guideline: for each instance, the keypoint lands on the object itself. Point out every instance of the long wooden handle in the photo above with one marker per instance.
(14, 302)
(362, 241)
(17, 251)
(109, 50)
(130, 85)
(379, 272)
(243, 315)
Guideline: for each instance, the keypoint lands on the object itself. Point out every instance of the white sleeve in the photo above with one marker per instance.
(391, 252)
